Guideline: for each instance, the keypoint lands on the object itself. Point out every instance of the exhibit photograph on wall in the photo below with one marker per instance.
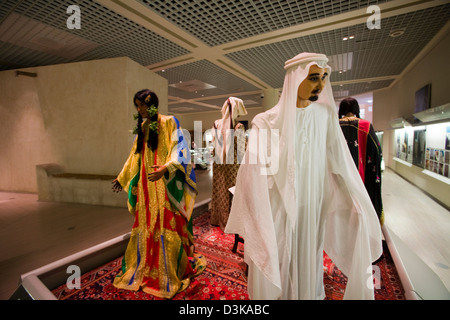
(419, 147)
(404, 140)
(447, 139)
(438, 161)
(426, 147)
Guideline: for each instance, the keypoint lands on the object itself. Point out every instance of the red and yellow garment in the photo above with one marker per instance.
(160, 257)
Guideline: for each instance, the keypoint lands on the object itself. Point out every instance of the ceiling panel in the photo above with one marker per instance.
(223, 21)
(208, 73)
(114, 35)
(341, 91)
(26, 32)
(15, 57)
(375, 53)
(186, 107)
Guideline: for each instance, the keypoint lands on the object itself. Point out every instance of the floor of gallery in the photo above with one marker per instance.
(35, 233)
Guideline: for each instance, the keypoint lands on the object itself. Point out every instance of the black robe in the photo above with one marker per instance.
(366, 152)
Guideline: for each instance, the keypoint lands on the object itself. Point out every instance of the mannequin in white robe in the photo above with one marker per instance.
(301, 196)
(225, 129)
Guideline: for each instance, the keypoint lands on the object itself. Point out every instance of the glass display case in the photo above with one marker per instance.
(425, 146)
(201, 157)
(380, 139)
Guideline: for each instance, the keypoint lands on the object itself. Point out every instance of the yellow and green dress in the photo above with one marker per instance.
(160, 257)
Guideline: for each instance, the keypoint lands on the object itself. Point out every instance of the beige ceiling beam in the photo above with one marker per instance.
(176, 100)
(198, 101)
(171, 63)
(364, 80)
(224, 96)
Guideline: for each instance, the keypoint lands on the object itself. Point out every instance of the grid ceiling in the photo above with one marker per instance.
(360, 88)
(109, 31)
(223, 21)
(375, 53)
(115, 35)
(206, 72)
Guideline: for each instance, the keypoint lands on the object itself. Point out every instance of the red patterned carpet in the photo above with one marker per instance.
(224, 277)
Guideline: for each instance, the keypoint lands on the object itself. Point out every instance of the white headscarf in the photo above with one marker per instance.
(223, 134)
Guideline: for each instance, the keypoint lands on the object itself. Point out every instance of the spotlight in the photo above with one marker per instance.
(396, 33)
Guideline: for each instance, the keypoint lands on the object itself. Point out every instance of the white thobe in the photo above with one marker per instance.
(333, 211)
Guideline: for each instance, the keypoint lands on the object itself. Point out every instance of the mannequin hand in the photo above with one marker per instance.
(158, 173)
(116, 186)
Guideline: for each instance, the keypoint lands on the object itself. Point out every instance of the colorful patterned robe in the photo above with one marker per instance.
(366, 153)
(160, 257)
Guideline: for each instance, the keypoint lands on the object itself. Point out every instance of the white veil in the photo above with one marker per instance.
(223, 141)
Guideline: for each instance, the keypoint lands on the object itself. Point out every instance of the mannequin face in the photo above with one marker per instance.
(311, 87)
(141, 107)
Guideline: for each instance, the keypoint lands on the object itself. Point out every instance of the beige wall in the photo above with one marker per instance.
(76, 115)
(398, 101)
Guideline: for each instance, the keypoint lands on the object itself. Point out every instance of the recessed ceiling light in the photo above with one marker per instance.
(396, 33)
